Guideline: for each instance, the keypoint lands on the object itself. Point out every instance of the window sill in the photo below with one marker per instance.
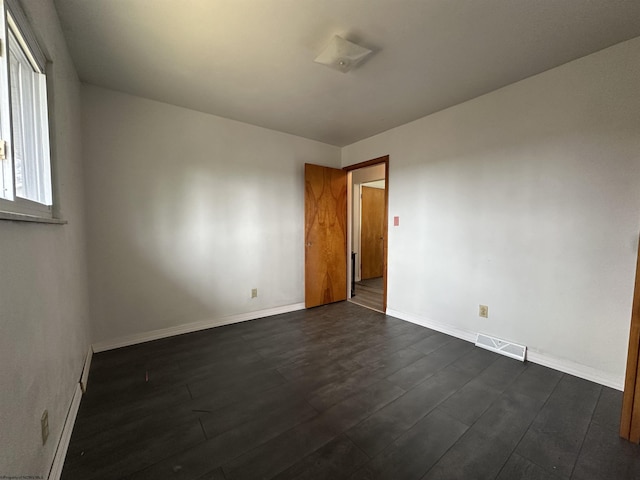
(21, 217)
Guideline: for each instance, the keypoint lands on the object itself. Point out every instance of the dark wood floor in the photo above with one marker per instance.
(339, 392)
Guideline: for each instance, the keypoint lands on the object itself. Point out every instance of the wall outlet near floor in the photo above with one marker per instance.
(254, 292)
(483, 311)
(44, 424)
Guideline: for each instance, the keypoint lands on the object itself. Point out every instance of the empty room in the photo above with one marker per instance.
(193, 284)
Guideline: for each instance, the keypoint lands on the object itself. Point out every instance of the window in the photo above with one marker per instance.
(25, 176)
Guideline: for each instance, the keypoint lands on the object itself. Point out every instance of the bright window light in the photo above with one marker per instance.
(25, 180)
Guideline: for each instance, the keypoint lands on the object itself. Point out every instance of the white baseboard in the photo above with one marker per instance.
(560, 364)
(576, 369)
(439, 327)
(192, 327)
(65, 438)
(84, 378)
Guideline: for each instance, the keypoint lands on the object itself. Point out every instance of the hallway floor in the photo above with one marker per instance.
(369, 293)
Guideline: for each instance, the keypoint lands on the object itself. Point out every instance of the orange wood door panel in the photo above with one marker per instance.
(630, 419)
(372, 233)
(325, 211)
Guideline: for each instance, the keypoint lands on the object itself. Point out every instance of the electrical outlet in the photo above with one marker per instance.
(44, 424)
(254, 292)
(483, 311)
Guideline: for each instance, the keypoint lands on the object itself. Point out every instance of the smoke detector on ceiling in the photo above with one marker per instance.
(342, 54)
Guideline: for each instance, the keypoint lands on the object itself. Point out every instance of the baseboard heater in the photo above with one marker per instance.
(513, 350)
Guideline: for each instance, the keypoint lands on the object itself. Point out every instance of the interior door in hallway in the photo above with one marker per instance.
(372, 233)
(325, 211)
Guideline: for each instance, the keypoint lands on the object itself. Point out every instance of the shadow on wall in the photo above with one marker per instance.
(190, 248)
(140, 296)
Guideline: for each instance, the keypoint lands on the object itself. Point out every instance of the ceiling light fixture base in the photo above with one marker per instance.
(342, 55)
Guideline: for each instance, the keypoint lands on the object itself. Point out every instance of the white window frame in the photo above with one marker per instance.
(12, 206)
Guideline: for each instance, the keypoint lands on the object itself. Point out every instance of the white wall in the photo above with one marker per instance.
(368, 174)
(188, 213)
(43, 296)
(527, 200)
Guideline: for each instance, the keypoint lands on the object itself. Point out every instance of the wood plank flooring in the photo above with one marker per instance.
(369, 293)
(339, 392)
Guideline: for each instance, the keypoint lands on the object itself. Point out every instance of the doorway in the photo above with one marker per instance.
(329, 277)
(368, 188)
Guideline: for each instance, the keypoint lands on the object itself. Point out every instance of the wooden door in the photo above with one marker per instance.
(630, 420)
(325, 212)
(372, 233)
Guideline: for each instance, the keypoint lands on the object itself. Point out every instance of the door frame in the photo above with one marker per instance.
(369, 163)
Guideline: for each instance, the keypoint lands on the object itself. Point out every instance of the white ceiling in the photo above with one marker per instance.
(252, 60)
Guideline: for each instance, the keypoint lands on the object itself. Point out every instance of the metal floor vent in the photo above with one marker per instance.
(502, 347)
